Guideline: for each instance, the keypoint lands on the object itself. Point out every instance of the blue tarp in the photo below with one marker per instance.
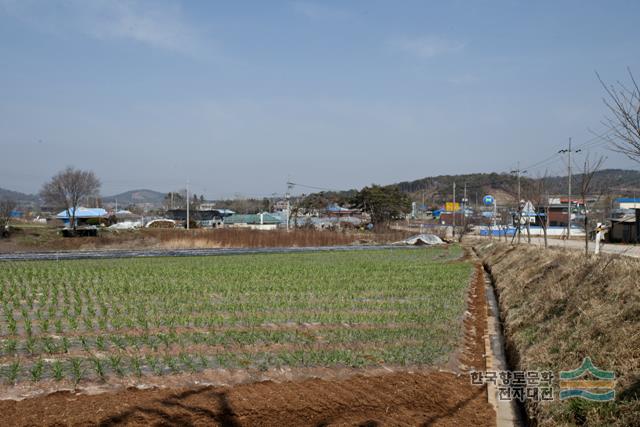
(498, 232)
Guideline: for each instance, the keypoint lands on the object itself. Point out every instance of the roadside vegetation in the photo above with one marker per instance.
(88, 321)
(27, 237)
(559, 307)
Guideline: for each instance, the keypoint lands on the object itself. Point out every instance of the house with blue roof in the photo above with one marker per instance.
(83, 216)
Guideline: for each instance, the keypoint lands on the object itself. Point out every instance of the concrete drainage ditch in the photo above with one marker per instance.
(508, 412)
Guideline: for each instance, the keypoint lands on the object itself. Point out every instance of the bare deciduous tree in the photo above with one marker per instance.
(174, 198)
(623, 121)
(67, 189)
(589, 169)
(537, 193)
(6, 207)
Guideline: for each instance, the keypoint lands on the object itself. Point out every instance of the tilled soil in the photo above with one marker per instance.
(426, 399)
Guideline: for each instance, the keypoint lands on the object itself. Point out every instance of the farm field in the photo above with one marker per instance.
(107, 325)
(80, 321)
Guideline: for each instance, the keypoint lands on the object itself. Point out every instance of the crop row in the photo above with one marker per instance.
(76, 369)
(107, 316)
(53, 345)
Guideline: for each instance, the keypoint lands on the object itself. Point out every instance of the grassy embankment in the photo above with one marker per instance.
(558, 308)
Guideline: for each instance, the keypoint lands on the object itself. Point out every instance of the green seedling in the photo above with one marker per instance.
(37, 370)
(57, 370)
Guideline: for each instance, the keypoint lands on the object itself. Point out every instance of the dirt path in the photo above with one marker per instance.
(437, 399)
(148, 253)
(420, 398)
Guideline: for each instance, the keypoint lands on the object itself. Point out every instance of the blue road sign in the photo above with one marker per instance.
(488, 200)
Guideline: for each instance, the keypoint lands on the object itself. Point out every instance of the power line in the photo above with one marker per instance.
(589, 143)
(312, 187)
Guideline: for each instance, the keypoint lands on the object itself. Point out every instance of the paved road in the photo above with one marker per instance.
(611, 248)
(110, 254)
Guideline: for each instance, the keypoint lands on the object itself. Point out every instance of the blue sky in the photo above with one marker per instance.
(238, 97)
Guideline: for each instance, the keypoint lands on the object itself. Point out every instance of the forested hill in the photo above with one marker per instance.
(137, 196)
(437, 188)
(17, 196)
(607, 180)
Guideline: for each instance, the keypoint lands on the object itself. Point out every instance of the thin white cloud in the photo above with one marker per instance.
(159, 24)
(319, 11)
(425, 46)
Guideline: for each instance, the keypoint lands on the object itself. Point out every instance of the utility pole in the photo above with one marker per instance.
(568, 152)
(464, 199)
(287, 196)
(454, 209)
(187, 204)
(546, 224)
(518, 172)
(464, 209)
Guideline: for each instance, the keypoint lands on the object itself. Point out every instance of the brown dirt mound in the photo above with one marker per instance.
(427, 399)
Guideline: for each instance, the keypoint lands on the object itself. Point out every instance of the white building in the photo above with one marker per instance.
(628, 203)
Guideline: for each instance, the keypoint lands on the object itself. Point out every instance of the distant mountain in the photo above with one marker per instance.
(136, 197)
(17, 196)
(440, 188)
(435, 190)
(622, 181)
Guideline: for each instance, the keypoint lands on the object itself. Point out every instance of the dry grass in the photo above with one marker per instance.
(558, 308)
(229, 237)
(48, 239)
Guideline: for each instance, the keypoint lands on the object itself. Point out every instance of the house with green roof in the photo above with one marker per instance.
(261, 221)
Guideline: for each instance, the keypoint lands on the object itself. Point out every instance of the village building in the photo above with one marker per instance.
(625, 203)
(207, 219)
(339, 211)
(625, 229)
(261, 221)
(86, 221)
(558, 208)
(83, 216)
